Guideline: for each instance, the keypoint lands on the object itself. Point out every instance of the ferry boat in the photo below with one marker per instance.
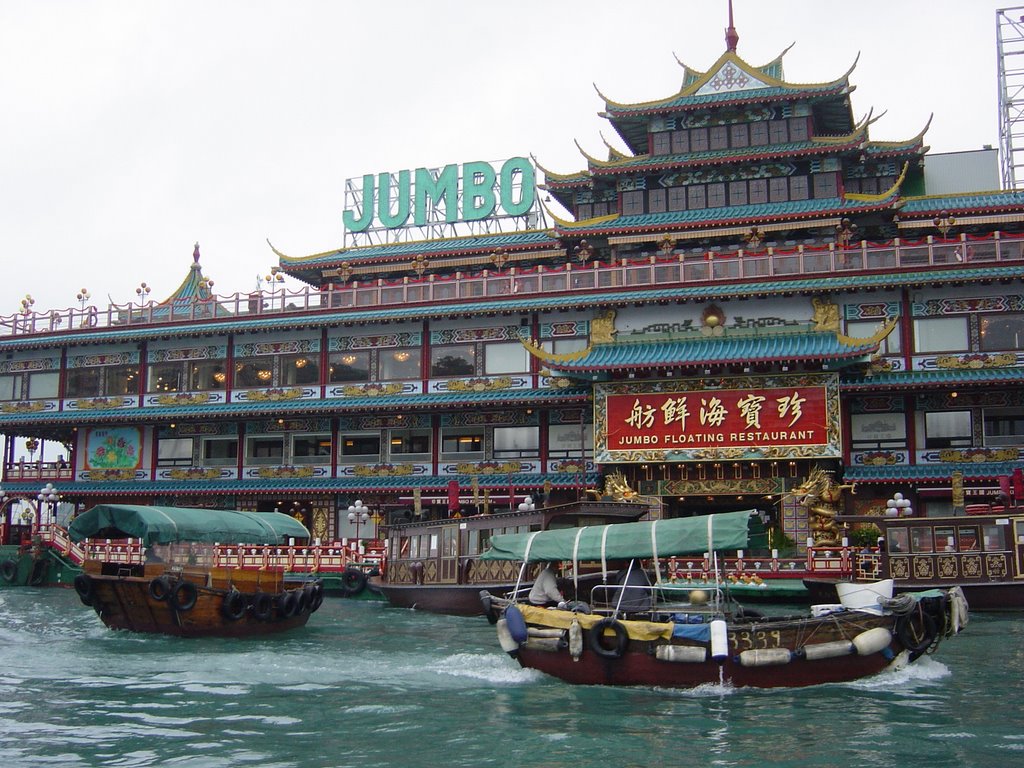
(164, 576)
(626, 636)
(981, 552)
(434, 565)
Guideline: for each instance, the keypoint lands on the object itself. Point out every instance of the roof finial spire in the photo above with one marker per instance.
(732, 37)
(195, 253)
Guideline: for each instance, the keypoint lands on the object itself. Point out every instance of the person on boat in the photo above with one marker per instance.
(545, 590)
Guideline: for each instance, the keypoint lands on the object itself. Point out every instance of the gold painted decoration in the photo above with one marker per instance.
(194, 473)
(976, 361)
(274, 395)
(384, 470)
(284, 472)
(372, 390)
(184, 398)
(94, 403)
(480, 384)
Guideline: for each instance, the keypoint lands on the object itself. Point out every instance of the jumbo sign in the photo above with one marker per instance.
(446, 194)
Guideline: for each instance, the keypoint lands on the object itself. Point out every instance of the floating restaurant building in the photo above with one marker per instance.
(748, 289)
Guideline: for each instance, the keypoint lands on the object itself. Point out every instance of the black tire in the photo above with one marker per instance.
(917, 631)
(353, 581)
(86, 588)
(595, 639)
(38, 576)
(485, 601)
(301, 600)
(183, 596)
(9, 571)
(287, 604)
(314, 596)
(233, 607)
(262, 606)
(160, 587)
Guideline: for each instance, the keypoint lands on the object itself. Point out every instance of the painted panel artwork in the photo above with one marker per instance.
(113, 448)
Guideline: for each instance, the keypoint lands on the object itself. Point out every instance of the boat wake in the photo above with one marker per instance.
(486, 667)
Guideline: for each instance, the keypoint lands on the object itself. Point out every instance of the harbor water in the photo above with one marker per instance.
(367, 685)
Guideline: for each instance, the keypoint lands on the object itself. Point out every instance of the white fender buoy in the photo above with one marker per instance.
(543, 632)
(508, 645)
(549, 644)
(693, 654)
(575, 640)
(765, 657)
(719, 640)
(872, 641)
(831, 650)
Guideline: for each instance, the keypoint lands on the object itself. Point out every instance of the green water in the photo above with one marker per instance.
(368, 685)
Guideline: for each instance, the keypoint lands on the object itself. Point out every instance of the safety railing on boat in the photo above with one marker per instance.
(638, 271)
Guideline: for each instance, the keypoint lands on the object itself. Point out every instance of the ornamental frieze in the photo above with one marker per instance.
(879, 458)
(482, 384)
(109, 475)
(211, 352)
(292, 346)
(488, 467)
(90, 361)
(371, 390)
(967, 305)
(277, 394)
(570, 466)
(96, 403)
(279, 473)
(382, 341)
(977, 455)
(464, 335)
(384, 470)
(32, 406)
(194, 473)
(184, 398)
(20, 366)
(976, 361)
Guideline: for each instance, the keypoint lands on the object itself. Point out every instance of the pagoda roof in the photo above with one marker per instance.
(737, 215)
(194, 289)
(907, 473)
(895, 380)
(733, 347)
(309, 268)
(730, 81)
(929, 206)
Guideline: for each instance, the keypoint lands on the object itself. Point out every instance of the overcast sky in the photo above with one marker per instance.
(132, 129)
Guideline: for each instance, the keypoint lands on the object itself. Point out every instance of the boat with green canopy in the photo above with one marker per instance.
(179, 585)
(627, 634)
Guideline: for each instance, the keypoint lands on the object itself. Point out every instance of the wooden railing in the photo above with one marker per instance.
(646, 270)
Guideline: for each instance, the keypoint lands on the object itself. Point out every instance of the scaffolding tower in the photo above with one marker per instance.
(1010, 46)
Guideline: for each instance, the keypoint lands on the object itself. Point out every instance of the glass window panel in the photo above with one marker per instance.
(716, 195)
(993, 538)
(1004, 426)
(737, 193)
(43, 385)
(174, 451)
(798, 188)
(699, 140)
(778, 190)
(739, 135)
(349, 366)
(941, 334)
(453, 360)
(462, 441)
(205, 375)
(411, 441)
(633, 202)
(695, 197)
(718, 137)
(516, 442)
(120, 380)
(999, 332)
(758, 191)
(311, 449)
(660, 143)
(778, 132)
(680, 142)
(365, 444)
(166, 377)
(83, 382)
(677, 198)
(945, 539)
(799, 129)
(758, 133)
(656, 201)
(968, 537)
(220, 450)
(921, 539)
(257, 373)
(506, 358)
(265, 450)
(897, 540)
(399, 363)
(569, 441)
(300, 369)
(584, 211)
(825, 185)
(947, 429)
(10, 387)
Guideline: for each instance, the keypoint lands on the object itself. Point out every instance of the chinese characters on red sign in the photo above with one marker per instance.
(717, 419)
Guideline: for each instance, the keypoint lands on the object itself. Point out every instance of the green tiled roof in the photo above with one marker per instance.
(791, 347)
(681, 102)
(928, 472)
(286, 408)
(706, 217)
(931, 205)
(455, 245)
(946, 376)
(437, 483)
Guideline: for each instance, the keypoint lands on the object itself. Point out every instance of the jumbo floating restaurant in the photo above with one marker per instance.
(748, 288)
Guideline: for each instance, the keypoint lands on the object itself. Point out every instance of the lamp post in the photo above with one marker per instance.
(846, 230)
(358, 513)
(48, 495)
(944, 222)
(143, 292)
(83, 296)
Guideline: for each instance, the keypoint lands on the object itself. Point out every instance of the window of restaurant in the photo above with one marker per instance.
(941, 334)
(311, 449)
(360, 447)
(102, 381)
(506, 357)
(462, 443)
(1001, 332)
(947, 429)
(516, 442)
(1004, 426)
(218, 451)
(297, 370)
(455, 360)
(348, 366)
(264, 449)
(396, 364)
(404, 444)
(10, 387)
(174, 452)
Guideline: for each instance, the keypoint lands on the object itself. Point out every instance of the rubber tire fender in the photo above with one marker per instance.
(160, 587)
(595, 638)
(183, 596)
(262, 606)
(287, 604)
(314, 595)
(916, 636)
(38, 576)
(86, 588)
(234, 605)
(9, 571)
(353, 581)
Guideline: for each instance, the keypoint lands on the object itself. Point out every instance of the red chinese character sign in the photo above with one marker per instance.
(744, 417)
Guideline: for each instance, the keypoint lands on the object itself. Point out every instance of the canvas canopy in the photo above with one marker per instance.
(623, 541)
(165, 525)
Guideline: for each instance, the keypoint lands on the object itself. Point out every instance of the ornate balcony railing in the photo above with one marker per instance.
(639, 271)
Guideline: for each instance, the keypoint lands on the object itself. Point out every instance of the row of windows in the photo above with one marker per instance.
(939, 429)
(721, 194)
(736, 136)
(565, 441)
(996, 333)
(960, 538)
(491, 359)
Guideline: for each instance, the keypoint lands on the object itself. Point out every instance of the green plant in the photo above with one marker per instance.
(864, 535)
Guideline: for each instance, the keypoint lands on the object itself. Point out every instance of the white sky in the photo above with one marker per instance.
(130, 130)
